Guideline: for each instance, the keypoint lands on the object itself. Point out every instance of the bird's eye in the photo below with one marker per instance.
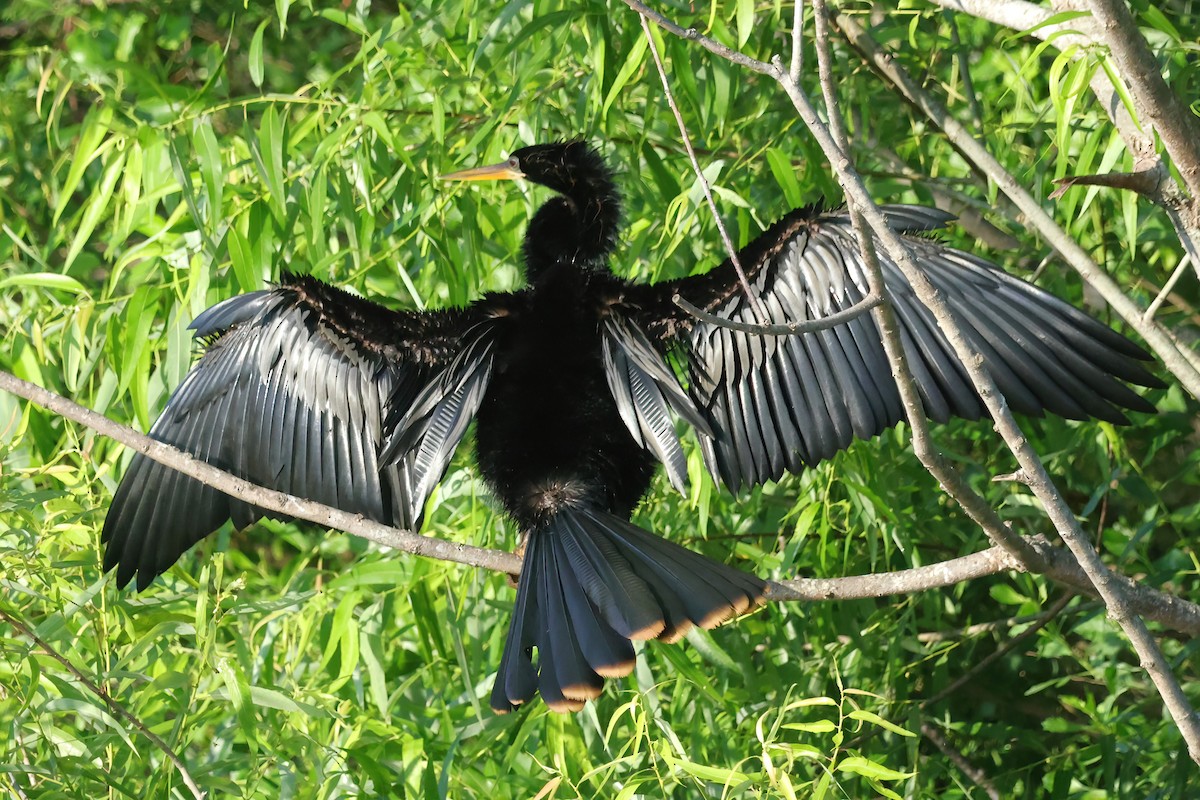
(513, 163)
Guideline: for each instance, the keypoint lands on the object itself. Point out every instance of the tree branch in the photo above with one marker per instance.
(270, 499)
(1170, 611)
(992, 561)
(1039, 482)
(1019, 15)
(1154, 99)
(1160, 342)
(1084, 34)
(973, 773)
(1051, 612)
(924, 447)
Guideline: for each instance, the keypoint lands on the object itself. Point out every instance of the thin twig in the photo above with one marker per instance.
(113, 706)
(693, 35)
(751, 296)
(821, 34)
(972, 631)
(786, 328)
(1042, 620)
(1152, 309)
(963, 66)
(973, 773)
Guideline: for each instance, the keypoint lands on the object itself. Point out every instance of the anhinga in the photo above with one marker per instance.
(313, 391)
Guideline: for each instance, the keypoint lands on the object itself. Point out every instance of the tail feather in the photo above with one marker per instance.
(670, 612)
(590, 583)
(720, 593)
(609, 654)
(516, 678)
(622, 598)
(573, 675)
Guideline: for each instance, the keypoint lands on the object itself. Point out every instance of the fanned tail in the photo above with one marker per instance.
(592, 582)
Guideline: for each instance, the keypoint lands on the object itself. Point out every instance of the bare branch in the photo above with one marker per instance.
(1152, 309)
(1111, 591)
(1154, 99)
(116, 708)
(786, 328)
(973, 773)
(1084, 34)
(797, 40)
(1145, 183)
(234, 486)
(1170, 611)
(1040, 621)
(946, 473)
(693, 35)
(992, 561)
(1189, 237)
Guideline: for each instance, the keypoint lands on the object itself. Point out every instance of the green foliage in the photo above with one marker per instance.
(158, 157)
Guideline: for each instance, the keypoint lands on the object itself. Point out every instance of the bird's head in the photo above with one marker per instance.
(579, 227)
(567, 167)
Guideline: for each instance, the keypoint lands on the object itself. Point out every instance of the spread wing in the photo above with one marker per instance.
(777, 403)
(308, 390)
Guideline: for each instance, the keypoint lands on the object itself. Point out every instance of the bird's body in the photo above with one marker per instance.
(310, 390)
(549, 401)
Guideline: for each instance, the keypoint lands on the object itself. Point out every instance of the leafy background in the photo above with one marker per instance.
(158, 157)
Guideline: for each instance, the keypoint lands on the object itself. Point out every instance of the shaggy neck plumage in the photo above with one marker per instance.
(579, 227)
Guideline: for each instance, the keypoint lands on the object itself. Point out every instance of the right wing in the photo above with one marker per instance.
(302, 389)
(776, 404)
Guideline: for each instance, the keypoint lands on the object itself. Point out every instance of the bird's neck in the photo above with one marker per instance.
(577, 229)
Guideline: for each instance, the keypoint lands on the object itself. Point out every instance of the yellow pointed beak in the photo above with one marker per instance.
(504, 171)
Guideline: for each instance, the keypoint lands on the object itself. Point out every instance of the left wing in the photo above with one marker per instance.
(312, 391)
(775, 404)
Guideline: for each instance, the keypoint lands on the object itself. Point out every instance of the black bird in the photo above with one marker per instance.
(574, 383)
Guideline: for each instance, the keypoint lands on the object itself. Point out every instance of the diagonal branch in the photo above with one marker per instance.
(753, 299)
(116, 708)
(270, 499)
(1160, 342)
(1039, 482)
(1043, 619)
(1111, 591)
(1082, 34)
